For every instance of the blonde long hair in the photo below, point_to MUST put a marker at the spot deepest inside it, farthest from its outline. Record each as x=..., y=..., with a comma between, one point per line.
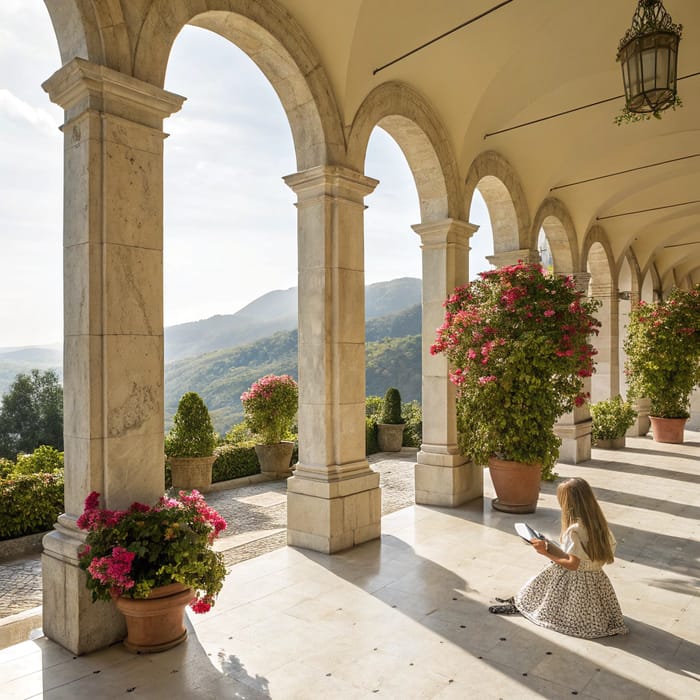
x=579, y=505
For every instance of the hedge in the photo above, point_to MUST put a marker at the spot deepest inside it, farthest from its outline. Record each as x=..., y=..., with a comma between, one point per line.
x=30, y=503
x=233, y=462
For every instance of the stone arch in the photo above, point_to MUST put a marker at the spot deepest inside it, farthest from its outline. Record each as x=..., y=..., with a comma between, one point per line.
x=554, y=218
x=598, y=258
x=411, y=122
x=77, y=28
x=505, y=199
x=276, y=43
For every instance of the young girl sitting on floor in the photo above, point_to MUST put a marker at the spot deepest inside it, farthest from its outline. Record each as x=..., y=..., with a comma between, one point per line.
x=573, y=595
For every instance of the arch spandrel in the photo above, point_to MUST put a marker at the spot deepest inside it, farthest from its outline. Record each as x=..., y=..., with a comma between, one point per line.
x=76, y=27
x=406, y=116
x=554, y=218
x=502, y=191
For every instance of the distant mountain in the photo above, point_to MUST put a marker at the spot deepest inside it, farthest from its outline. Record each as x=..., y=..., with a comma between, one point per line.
x=221, y=377
x=273, y=312
x=14, y=361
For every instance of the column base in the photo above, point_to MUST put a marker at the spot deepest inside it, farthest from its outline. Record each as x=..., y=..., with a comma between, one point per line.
x=335, y=508
x=642, y=424
x=70, y=618
x=445, y=478
x=575, y=441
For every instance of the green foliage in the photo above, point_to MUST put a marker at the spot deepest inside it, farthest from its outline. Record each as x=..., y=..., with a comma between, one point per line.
x=192, y=434
x=611, y=418
x=240, y=435
x=628, y=117
x=30, y=503
x=373, y=406
x=31, y=413
x=128, y=553
x=234, y=461
x=45, y=459
x=371, y=441
x=394, y=362
x=517, y=339
x=413, y=432
x=391, y=407
x=398, y=325
x=663, y=352
x=270, y=406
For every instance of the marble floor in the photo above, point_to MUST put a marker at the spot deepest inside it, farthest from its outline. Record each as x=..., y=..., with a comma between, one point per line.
x=406, y=617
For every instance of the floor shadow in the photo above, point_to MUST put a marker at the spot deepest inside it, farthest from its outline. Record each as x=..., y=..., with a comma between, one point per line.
x=682, y=510
x=439, y=600
x=645, y=470
x=185, y=671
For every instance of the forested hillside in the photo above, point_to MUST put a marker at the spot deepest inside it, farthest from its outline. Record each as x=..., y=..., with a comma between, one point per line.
x=276, y=311
x=221, y=377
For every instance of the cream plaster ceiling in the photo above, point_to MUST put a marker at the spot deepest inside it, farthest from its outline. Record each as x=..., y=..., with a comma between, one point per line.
x=527, y=60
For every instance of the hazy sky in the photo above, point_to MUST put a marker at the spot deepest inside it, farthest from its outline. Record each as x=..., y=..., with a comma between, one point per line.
x=230, y=223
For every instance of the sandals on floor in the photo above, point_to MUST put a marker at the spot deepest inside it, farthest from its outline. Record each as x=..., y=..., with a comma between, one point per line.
x=509, y=601
x=508, y=609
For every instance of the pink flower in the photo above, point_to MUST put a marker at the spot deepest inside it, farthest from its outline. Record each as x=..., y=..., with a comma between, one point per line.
x=549, y=313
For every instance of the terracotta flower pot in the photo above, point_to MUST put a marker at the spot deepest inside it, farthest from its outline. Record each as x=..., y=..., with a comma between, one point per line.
x=156, y=623
x=517, y=485
x=668, y=429
x=276, y=458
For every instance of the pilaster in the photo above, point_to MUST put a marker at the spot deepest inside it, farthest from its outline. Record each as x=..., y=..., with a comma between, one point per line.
x=443, y=476
x=113, y=322
x=334, y=500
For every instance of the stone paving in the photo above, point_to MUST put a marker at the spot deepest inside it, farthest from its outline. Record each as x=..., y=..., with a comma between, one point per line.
x=257, y=517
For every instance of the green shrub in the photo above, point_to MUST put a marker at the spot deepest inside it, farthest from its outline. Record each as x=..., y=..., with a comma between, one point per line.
x=391, y=407
x=413, y=432
x=233, y=462
x=192, y=434
x=241, y=435
x=7, y=467
x=611, y=418
x=30, y=503
x=373, y=406
x=371, y=444
x=44, y=460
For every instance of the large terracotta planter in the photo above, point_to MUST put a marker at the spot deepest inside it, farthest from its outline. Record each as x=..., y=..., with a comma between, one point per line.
x=668, y=429
x=192, y=472
x=517, y=485
x=156, y=623
x=275, y=459
x=390, y=436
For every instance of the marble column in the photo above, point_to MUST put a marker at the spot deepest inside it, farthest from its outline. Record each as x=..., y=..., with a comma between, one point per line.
x=443, y=475
x=113, y=323
x=333, y=498
x=574, y=428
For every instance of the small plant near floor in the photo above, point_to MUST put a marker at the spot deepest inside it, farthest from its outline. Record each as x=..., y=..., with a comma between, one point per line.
x=192, y=434
x=391, y=407
x=611, y=418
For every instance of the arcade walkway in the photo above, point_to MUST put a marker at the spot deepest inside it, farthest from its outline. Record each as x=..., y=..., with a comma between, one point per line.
x=407, y=617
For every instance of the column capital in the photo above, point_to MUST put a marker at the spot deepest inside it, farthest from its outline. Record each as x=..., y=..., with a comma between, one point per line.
x=581, y=280
x=330, y=181
x=81, y=85
x=440, y=233
x=513, y=257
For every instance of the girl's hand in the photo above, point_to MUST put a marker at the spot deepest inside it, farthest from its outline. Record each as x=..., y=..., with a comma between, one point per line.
x=540, y=546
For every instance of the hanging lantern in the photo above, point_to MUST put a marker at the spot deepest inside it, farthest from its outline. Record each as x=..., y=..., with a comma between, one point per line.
x=648, y=53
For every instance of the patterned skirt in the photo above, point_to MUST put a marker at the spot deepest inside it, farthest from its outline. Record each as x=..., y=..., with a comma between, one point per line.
x=579, y=603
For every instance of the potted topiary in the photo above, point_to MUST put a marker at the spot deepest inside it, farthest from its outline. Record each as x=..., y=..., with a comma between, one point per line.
x=270, y=406
x=518, y=342
x=189, y=446
x=611, y=420
x=390, y=425
x=152, y=561
x=663, y=359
